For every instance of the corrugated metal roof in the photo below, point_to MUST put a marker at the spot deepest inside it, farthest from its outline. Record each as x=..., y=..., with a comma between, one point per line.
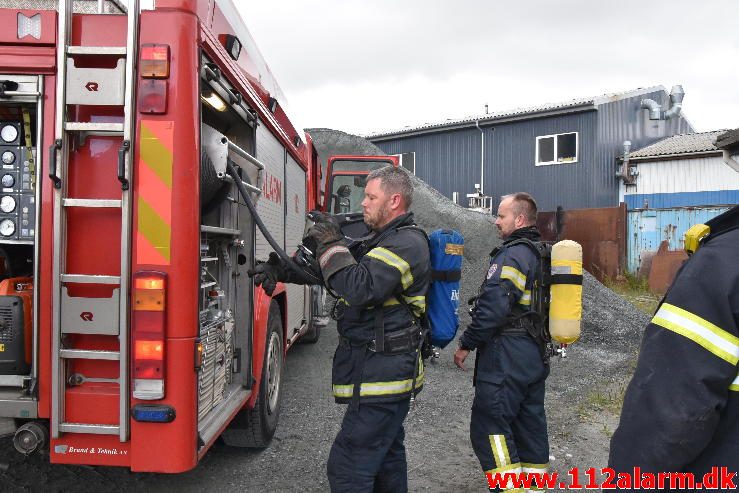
x=728, y=139
x=680, y=144
x=539, y=110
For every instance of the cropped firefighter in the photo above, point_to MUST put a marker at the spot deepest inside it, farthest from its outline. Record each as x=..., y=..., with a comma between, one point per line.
x=508, y=426
x=377, y=366
x=681, y=409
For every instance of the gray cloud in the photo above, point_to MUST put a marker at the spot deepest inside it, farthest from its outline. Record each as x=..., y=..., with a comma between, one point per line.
x=512, y=53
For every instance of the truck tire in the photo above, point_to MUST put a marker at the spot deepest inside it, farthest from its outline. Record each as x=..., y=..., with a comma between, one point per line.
x=254, y=428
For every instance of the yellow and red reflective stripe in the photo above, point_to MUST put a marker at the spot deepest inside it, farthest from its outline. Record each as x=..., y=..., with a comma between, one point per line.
x=154, y=180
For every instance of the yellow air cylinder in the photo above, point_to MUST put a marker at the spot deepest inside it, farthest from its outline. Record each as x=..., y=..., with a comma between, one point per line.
x=565, y=305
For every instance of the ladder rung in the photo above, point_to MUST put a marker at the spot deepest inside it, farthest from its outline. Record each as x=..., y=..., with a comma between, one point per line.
x=88, y=428
x=83, y=279
x=112, y=128
x=96, y=50
x=220, y=231
x=91, y=203
x=89, y=354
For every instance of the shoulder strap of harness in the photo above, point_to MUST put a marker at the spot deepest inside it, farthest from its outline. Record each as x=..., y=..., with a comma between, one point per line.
x=379, y=322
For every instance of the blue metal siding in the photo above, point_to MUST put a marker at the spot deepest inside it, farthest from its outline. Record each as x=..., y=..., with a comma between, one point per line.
x=681, y=199
x=647, y=228
x=450, y=160
x=625, y=120
x=510, y=155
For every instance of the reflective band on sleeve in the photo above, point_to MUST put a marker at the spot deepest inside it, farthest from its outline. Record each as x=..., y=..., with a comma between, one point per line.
x=330, y=253
x=525, y=298
x=515, y=276
x=391, y=259
x=716, y=340
x=735, y=384
x=417, y=304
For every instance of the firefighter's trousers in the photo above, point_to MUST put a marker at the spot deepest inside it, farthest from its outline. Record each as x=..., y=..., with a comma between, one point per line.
x=508, y=428
x=368, y=454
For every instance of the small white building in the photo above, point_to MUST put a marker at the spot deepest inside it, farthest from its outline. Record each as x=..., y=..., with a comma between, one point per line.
x=674, y=183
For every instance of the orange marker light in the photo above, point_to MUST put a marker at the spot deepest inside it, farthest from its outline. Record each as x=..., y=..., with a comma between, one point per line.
x=154, y=63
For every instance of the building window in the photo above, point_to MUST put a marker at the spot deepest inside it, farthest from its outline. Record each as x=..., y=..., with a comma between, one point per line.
x=556, y=149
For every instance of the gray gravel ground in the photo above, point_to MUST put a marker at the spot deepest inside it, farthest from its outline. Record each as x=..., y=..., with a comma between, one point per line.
x=583, y=394
x=439, y=454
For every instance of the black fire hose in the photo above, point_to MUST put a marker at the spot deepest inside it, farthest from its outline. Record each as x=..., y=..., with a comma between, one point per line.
x=308, y=277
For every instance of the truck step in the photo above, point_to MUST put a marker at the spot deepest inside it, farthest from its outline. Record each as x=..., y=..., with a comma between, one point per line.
x=96, y=50
x=88, y=428
x=106, y=128
x=100, y=203
x=85, y=279
x=89, y=354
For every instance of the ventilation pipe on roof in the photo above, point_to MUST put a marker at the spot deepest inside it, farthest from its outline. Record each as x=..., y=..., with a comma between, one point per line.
x=676, y=104
x=625, y=173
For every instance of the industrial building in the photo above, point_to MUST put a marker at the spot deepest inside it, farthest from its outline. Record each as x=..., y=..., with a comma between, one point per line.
x=565, y=154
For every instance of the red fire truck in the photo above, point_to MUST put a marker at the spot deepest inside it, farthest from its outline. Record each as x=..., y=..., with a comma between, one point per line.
x=130, y=332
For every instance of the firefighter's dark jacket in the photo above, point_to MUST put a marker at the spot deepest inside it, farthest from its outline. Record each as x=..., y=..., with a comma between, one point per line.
x=681, y=409
x=393, y=264
x=505, y=293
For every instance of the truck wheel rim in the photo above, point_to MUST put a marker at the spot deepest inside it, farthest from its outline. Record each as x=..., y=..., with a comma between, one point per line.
x=274, y=367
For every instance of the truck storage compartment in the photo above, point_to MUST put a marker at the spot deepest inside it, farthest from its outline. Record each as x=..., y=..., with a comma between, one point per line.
x=18, y=195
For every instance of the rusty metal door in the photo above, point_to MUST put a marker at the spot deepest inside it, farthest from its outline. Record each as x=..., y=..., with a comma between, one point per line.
x=600, y=231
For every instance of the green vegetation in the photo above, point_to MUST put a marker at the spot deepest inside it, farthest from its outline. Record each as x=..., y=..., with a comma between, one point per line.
x=599, y=401
x=602, y=407
x=635, y=290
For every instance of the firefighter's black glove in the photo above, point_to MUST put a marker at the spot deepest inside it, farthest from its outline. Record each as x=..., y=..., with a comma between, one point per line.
x=268, y=274
x=324, y=234
x=330, y=246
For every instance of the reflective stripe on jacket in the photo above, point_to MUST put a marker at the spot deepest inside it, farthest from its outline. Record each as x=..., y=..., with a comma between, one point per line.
x=681, y=409
x=395, y=265
x=505, y=292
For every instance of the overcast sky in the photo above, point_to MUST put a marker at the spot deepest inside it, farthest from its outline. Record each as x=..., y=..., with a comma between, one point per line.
x=365, y=66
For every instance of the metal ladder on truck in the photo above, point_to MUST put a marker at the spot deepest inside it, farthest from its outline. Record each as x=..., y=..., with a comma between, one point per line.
x=114, y=87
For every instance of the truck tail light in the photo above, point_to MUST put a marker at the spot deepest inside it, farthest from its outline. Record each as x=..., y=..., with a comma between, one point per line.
x=149, y=322
x=153, y=67
x=154, y=62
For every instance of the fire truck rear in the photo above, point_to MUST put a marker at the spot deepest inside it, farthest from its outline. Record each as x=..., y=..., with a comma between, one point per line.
x=130, y=332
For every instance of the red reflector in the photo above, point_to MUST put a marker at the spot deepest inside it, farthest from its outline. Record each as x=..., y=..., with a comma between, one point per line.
x=154, y=62
x=152, y=97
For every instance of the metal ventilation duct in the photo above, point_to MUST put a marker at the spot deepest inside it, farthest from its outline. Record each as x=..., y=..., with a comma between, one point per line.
x=676, y=104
